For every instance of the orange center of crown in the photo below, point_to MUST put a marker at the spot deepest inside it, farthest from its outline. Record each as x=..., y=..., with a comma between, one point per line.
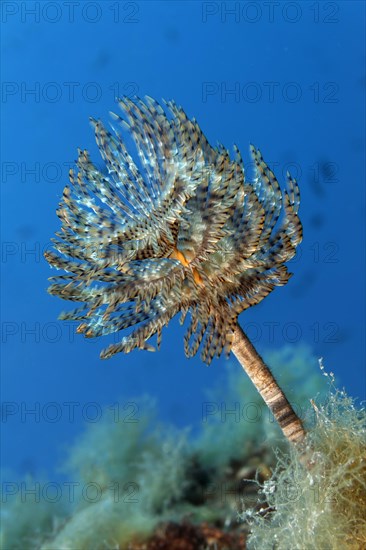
x=178, y=255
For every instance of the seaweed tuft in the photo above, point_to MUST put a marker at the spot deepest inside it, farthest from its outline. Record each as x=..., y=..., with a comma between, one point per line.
x=320, y=503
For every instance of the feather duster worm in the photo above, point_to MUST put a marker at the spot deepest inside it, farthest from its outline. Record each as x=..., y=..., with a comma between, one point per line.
x=178, y=230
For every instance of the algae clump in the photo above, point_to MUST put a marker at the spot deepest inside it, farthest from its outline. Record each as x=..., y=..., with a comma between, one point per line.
x=318, y=501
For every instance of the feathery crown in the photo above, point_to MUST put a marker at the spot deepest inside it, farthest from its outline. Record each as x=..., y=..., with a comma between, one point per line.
x=179, y=230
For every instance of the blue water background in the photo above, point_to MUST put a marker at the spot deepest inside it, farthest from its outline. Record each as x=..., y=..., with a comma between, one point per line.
x=297, y=73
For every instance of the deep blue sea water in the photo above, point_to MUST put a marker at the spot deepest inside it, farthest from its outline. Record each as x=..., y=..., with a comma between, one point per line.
x=286, y=76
